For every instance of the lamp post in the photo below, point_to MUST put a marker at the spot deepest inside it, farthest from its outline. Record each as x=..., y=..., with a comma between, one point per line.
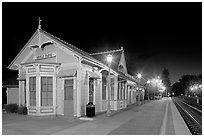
x=148, y=82
x=109, y=59
x=139, y=76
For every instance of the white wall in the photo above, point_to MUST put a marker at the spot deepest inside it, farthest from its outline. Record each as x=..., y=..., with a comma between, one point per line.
x=60, y=96
x=12, y=95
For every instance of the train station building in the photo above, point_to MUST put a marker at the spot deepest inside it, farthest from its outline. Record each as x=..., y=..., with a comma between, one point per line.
x=57, y=78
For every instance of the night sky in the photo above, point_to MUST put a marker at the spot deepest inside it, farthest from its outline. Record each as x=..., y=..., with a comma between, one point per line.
x=153, y=35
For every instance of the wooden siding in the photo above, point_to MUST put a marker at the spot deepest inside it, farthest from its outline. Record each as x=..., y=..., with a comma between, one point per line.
x=65, y=57
x=84, y=92
x=13, y=96
x=60, y=96
x=98, y=95
x=47, y=49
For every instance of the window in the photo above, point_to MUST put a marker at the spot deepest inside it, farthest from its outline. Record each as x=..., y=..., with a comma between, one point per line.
x=124, y=90
x=112, y=88
x=25, y=91
x=32, y=89
x=104, y=82
x=91, y=89
x=46, y=91
x=119, y=90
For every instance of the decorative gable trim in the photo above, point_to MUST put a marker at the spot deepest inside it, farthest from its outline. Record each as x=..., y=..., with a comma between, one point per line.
x=122, y=63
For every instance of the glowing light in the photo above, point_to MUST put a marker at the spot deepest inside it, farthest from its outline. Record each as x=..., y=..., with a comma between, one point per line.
x=139, y=75
x=200, y=86
x=109, y=58
x=196, y=87
x=148, y=81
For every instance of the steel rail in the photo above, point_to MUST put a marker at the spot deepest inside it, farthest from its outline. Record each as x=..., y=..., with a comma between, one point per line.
x=191, y=106
x=194, y=126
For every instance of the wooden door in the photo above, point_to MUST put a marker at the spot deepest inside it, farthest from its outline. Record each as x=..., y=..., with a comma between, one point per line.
x=68, y=97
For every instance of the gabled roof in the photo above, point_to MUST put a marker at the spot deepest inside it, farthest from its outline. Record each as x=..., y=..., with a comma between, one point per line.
x=117, y=62
x=97, y=58
x=72, y=47
x=65, y=44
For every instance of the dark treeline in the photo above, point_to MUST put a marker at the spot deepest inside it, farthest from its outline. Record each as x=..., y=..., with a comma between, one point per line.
x=189, y=85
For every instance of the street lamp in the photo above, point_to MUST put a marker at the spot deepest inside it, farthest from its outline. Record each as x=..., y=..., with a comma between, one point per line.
x=200, y=86
x=148, y=82
x=109, y=60
x=139, y=76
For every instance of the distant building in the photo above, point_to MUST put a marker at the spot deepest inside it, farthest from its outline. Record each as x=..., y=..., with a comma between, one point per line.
x=56, y=77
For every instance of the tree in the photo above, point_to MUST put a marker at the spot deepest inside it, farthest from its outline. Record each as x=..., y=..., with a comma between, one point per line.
x=166, y=81
x=186, y=82
x=177, y=89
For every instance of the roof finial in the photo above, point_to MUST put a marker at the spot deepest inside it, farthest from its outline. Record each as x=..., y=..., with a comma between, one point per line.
x=39, y=25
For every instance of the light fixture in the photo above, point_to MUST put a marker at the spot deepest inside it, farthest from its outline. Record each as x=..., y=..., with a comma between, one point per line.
x=109, y=58
x=139, y=75
x=148, y=81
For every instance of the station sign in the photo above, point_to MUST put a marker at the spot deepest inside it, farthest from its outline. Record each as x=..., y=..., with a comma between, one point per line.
x=44, y=56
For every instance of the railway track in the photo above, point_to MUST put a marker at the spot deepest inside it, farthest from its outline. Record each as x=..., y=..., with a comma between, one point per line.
x=191, y=115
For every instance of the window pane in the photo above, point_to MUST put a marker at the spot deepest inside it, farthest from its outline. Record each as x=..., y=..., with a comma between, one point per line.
x=121, y=89
x=44, y=95
x=43, y=80
x=32, y=95
x=91, y=85
x=124, y=92
x=44, y=102
x=49, y=87
x=91, y=98
x=31, y=80
x=31, y=87
x=49, y=102
x=69, y=82
x=46, y=89
x=112, y=80
x=49, y=80
x=32, y=102
x=34, y=87
x=49, y=95
x=103, y=88
x=34, y=80
x=112, y=92
x=91, y=89
x=43, y=88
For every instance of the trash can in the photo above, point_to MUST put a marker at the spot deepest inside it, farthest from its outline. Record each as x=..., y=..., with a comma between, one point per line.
x=90, y=110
